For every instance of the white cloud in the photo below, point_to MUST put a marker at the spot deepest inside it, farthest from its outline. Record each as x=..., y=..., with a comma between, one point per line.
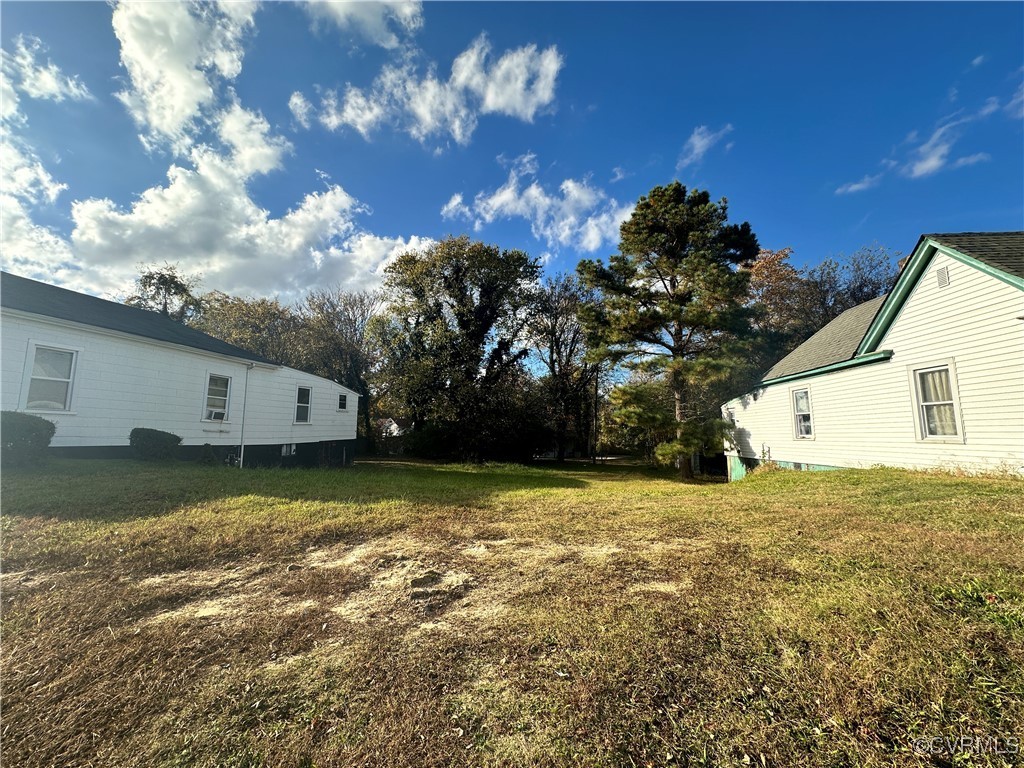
x=578, y=216
x=376, y=21
x=23, y=176
x=175, y=55
x=618, y=174
x=254, y=150
x=701, y=140
x=977, y=61
x=300, y=108
x=519, y=84
x=357, y=111
x=867, y=182
x=935, y=154
x=359, y=261
x=455, y=208
x=980, y=157
x=932, y=156
x=204, y=219
x=40, y=81
x=990, y=106
x=1015, y=107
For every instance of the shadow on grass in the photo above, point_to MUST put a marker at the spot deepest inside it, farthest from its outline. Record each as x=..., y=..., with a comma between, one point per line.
x=117, y=490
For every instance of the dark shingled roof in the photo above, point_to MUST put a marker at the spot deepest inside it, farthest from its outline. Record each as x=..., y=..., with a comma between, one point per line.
x=836, y=342
x=1002, y=250
x=41, y=299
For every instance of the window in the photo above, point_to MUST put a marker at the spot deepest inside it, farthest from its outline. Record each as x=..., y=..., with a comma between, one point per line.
x=302, y=401
x=288, y=449
x=217, y=391
x=342, y=402
x=49, y=387
x=936, y=402
x=802, y=426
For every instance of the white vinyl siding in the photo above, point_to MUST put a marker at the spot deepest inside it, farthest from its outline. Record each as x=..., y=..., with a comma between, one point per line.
x=870, y=415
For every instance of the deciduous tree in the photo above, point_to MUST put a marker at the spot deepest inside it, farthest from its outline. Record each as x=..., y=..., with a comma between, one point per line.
x=455, y=336
x=560, y=342
x=167, y=291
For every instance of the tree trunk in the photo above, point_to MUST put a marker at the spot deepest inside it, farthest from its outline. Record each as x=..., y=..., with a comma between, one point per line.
x=685, y=470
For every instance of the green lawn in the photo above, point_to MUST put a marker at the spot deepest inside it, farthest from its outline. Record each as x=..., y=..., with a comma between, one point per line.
x=399, y=614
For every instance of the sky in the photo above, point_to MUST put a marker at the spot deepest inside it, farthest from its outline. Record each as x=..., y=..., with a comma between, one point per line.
x=277, y=147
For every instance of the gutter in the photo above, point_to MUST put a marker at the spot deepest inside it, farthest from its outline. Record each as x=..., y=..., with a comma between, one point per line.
x=245, y=399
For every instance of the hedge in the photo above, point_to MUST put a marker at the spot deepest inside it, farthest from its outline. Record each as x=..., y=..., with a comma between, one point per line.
x=24, y=438
x=153, y=444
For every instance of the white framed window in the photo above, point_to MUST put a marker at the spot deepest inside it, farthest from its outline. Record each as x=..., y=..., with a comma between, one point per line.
x=303, y=404
x=51, y=376
x=288, y=449
x=803, y=424
x=342, y=402
x=937, y=403
x=218, y=394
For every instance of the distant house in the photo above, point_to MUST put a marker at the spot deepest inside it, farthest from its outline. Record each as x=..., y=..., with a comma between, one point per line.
x=930, y=376
x=98, y=369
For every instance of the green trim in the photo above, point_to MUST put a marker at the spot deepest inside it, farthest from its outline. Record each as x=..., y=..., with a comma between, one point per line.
x=981, y=266
x=907, y=281
x=873, y=357
x=897, y=297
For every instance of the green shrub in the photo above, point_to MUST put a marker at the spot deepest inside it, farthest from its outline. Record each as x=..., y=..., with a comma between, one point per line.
x=153, y=445
x=25, y=438
x=207, y=457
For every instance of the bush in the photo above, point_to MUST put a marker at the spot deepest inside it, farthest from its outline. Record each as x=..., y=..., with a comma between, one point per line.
x=207, y=457
x=25, y=438
x=153, y=445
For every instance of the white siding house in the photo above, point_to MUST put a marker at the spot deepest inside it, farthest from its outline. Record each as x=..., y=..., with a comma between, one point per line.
x=929, y=377
x=98, y=369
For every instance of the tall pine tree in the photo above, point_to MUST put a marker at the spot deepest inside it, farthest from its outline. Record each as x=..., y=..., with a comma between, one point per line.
x=674, y=297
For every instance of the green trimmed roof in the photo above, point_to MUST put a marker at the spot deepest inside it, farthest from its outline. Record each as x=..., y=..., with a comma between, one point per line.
x=26, y=295
x=1001, y=250
x=836, y=342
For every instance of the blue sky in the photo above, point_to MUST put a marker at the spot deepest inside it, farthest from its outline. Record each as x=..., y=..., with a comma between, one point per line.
x=276, y=147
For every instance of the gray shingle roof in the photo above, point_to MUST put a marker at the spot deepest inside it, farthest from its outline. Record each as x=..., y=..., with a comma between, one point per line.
x=26, y=295
x=836, y=342
x=1002, y=250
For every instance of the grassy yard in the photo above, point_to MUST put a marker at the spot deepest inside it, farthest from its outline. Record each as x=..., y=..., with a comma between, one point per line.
x=416, y=615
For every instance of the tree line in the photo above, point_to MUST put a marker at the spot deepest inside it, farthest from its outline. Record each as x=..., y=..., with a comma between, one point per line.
x=488, y=361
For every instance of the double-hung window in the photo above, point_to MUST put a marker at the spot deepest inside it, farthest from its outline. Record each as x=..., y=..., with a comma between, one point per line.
x=218, y=390
x=342, y=402
x=803, y=426
x=49, y=387
x=303, y=400
x=936, y=403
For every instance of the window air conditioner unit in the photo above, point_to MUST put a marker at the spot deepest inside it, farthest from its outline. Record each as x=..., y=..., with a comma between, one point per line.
x=216, y=415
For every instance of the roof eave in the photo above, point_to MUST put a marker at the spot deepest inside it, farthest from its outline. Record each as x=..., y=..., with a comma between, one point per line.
x=907, y=281
x=853, y=362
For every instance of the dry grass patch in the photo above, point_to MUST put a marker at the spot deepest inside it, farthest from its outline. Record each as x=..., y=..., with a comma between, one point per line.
x=418, y=615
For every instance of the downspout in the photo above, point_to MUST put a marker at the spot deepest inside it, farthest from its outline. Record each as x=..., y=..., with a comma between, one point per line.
x=245, y=398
